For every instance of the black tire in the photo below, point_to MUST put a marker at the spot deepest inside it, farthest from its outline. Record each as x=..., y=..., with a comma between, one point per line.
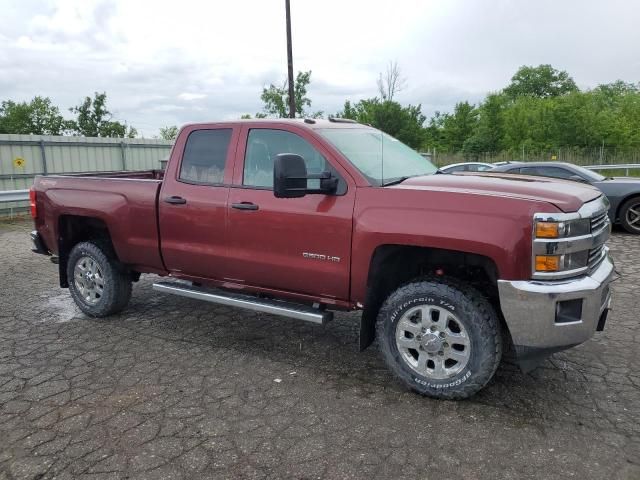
x=626, y=211
x=471, y=309
x=117, y=281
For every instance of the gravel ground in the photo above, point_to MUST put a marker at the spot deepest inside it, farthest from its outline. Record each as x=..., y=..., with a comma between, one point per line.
x=175, y=388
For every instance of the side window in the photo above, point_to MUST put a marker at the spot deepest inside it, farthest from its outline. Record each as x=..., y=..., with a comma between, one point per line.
x=264, y=144
x=204, y=156
x=553, y=172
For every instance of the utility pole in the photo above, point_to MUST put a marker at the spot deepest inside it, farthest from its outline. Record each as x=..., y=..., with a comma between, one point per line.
x=292, y=100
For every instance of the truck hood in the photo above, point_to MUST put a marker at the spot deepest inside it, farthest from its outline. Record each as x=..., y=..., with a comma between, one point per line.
x=566, y=195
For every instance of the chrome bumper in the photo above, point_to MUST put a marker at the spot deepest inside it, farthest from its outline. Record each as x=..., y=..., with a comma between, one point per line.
x=530, y=309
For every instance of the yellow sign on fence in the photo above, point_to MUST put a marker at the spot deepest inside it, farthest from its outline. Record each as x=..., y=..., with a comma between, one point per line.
x=19, y=162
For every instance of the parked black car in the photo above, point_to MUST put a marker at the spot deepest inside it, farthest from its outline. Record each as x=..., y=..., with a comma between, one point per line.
x=623, y=192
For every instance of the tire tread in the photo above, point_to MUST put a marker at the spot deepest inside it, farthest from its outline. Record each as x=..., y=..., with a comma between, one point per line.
x=114, y=272
x=462, y=293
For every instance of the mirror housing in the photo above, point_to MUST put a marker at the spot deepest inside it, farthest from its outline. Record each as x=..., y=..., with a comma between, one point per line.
x=290, y=177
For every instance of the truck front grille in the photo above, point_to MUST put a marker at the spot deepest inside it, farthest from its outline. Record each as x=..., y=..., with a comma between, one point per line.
x=596, y=255
x=598, y=221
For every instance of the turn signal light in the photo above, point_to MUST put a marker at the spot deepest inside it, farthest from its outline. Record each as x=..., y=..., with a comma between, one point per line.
x=32, y=203
x=547, y=263
x=547, y=230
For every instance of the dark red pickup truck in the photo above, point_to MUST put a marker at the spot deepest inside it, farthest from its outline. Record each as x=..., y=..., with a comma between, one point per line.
x=303, y=217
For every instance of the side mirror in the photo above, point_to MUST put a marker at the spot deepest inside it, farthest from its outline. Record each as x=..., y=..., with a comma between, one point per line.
x=290, y=178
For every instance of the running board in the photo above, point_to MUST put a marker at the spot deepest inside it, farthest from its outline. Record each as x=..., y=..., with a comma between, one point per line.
x=248, y=302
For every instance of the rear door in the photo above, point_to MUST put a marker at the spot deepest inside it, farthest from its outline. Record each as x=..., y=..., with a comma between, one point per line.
x=295, y=244
x=193, y=201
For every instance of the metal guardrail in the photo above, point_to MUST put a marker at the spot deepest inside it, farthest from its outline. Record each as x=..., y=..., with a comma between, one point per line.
x=14, y=196
x=622, y=166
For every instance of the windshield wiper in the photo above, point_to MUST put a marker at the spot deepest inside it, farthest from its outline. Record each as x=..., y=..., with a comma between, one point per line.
x=397, y=180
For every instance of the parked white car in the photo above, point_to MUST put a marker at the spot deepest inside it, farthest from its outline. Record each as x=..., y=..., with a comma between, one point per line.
x=467, y=167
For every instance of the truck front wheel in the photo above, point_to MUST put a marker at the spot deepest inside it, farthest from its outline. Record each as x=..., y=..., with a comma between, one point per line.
x=97, y=282
x=440, y=337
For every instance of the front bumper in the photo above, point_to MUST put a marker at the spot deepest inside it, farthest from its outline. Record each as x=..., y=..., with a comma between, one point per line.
x=533, y=312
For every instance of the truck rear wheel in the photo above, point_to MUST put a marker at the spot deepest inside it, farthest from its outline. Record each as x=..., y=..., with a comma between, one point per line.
x=440, y=337
x=97, y=282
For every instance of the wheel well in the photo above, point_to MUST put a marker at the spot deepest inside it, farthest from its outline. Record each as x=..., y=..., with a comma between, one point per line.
x=73, y=229
x=394, y=265
x=622, y=202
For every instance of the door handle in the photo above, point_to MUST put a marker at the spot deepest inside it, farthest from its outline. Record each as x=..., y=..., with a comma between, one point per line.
x=175, y=200
x=245, y=206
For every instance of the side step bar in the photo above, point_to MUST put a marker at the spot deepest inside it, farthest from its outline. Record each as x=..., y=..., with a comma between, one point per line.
x=274, y=307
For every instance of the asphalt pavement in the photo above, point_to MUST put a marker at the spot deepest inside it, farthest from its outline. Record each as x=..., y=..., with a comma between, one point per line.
x=176, y=388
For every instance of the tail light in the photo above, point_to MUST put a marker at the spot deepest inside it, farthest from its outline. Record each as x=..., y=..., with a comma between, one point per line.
x=32, y=203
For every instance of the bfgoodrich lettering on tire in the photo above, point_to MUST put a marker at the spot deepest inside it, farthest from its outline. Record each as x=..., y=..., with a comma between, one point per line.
x=440, y=337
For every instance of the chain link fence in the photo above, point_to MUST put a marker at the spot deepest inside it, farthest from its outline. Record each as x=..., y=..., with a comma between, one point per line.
x=577, y=156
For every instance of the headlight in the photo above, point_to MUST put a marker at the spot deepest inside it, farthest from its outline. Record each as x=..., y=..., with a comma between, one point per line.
x=569, y=228
x=561, y=263
x=569, y=244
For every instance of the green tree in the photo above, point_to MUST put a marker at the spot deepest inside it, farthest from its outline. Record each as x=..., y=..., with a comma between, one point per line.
x=38, y=117
x=169, y=133
x=276, y=99
x=403, y=123
x=94, y=120
x=487, y=134
x=247, y=116
x=459, y=126
x=617, y=88
x=541, y=81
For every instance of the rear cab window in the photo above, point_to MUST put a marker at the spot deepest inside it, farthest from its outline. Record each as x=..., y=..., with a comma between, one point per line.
x=205, y=155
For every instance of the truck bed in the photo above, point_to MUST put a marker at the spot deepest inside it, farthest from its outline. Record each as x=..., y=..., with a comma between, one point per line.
x=125, y=203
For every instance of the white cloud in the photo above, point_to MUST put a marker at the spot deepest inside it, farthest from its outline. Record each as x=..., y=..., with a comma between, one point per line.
x=164, y=63
x=191, y=96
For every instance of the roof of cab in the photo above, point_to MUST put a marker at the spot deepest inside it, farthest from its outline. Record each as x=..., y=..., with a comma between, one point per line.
x=311, y=123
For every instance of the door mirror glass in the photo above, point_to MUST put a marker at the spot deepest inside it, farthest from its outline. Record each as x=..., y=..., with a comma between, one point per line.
x=289, y=176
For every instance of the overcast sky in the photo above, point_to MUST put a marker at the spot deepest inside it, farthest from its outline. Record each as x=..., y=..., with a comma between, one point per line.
x=164, y=63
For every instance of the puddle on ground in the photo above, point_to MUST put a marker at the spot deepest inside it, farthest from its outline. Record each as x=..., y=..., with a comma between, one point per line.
x=62, y=308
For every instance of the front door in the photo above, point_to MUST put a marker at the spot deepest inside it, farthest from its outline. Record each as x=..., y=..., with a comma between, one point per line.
x=294, y=244
x=193, y=202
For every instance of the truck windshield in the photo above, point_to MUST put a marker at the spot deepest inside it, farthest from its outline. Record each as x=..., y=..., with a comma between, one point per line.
x=380, y=157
